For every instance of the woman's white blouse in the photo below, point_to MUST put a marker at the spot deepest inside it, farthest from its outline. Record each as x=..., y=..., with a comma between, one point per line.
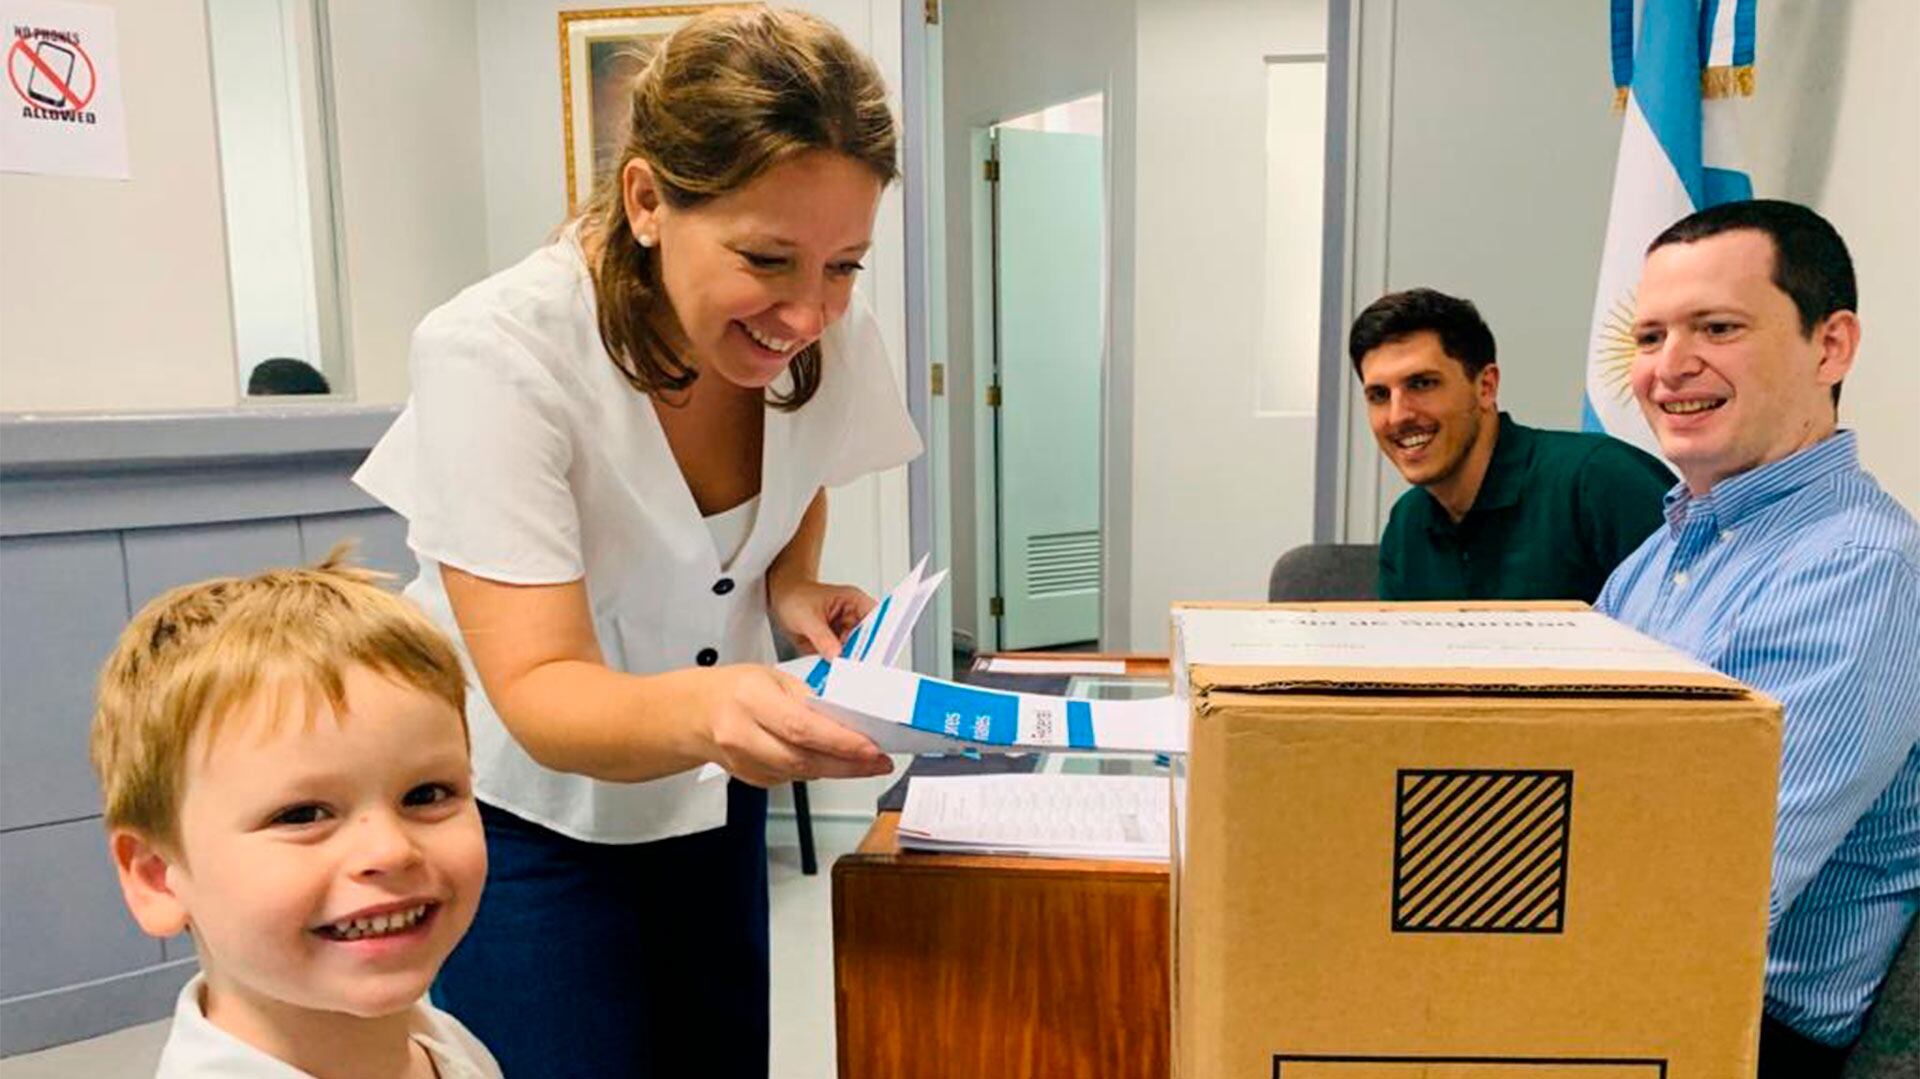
x=524, y=456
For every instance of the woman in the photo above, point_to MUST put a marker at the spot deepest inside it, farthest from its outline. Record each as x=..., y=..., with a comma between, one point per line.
x=612, y=466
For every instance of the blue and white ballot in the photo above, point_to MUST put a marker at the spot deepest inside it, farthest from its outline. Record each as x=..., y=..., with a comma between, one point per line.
x=904, y=712
x=866, y=688
x=882, y=637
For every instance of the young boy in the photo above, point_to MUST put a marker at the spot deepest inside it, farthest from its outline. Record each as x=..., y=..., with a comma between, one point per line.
x=284, y=759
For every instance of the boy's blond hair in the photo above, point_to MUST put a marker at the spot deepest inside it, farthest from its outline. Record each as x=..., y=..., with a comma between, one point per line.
x=193, y=655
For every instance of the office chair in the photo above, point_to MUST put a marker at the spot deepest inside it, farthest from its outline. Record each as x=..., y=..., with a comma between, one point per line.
x=1889, y=1045
x=1324, y=571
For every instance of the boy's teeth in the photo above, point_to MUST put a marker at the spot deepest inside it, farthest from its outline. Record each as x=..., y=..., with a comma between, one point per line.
x=1683, y=407
x=358, y=928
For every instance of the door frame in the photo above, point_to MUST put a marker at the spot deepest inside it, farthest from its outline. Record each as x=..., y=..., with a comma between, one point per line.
x=986, y=371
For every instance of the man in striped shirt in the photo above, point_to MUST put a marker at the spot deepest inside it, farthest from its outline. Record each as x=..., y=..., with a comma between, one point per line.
x=1783, y=564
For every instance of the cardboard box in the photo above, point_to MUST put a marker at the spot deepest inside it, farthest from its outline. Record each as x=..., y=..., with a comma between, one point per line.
x=1489, y=841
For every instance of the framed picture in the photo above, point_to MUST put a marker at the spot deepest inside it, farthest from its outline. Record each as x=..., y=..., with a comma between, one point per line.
x=601, y=51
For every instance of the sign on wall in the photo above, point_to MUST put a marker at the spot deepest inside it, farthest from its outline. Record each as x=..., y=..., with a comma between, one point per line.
x=62, y=113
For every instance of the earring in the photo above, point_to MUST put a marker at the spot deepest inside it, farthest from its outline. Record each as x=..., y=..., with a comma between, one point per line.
x=645, y=239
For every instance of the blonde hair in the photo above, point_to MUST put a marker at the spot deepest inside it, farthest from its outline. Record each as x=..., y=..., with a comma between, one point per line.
x=730, y=94
x=190, y=657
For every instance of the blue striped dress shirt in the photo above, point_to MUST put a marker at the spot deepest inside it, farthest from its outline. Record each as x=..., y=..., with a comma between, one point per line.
x=1801, y=578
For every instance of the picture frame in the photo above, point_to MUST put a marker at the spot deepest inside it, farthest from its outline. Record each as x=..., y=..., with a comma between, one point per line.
x=601, y=50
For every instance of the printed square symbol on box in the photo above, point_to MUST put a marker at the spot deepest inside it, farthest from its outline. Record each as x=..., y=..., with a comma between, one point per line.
x=1358, y=1066
x=1481, y=850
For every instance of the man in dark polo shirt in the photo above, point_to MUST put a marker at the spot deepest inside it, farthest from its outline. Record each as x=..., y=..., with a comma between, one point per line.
x=1498, y=510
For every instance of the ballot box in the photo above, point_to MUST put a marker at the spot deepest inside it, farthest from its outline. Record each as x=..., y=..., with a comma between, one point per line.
x=1464, y=842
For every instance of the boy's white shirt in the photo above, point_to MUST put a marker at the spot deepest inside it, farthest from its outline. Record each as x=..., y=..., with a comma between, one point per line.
x=196, y=1048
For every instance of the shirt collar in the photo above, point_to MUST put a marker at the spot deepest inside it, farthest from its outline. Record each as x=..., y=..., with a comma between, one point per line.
x=197, y=1048
x=1739, y=497
x=1500, y=486
x=1512, y=453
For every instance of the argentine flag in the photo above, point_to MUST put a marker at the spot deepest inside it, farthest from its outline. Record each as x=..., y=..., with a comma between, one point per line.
x=1681, y=72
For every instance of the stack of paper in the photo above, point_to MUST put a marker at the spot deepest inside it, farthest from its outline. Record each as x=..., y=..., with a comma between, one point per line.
x=1056, y=816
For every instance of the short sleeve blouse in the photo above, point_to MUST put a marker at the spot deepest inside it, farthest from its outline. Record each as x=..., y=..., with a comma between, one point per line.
x=524, y=456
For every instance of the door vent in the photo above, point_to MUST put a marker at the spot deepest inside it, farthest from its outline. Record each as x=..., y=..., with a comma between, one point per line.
x=1063, y=563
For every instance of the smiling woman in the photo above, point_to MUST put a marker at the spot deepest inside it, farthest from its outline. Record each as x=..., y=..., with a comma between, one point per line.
x=613, y=468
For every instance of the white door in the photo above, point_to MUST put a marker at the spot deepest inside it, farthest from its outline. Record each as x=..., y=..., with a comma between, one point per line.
x=1049, y=335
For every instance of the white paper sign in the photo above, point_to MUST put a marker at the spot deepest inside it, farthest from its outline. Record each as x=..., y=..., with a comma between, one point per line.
x=62, y=114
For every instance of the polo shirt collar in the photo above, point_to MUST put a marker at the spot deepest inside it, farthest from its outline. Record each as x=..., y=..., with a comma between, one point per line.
x=1500, y=487
x=1740, y=497
x=1506, y=470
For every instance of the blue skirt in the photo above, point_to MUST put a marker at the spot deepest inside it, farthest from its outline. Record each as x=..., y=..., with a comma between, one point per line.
x=602, y=959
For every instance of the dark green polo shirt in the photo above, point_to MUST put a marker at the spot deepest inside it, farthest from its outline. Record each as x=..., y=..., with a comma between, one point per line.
x=1555, y=513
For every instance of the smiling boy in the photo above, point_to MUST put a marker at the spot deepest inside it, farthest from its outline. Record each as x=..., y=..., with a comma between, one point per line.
x=286, y=774
x=1499, y=510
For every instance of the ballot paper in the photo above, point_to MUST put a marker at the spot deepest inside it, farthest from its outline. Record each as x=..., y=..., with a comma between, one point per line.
x=904, y=712
x=865, y=688
x=1058, y=816
x=883, y=635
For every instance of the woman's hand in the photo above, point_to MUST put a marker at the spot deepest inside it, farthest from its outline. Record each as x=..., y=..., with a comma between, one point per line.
x=760, y=729
x=816, y=616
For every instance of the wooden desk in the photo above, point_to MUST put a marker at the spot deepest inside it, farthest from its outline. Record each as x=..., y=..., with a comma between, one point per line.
x=951, y=965
x=969, y=966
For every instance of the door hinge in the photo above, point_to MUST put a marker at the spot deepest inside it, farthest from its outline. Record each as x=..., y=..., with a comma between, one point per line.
x=993, y=395
x=997, y=607
x=937, y=380
x=932, y=8
x=992, y=170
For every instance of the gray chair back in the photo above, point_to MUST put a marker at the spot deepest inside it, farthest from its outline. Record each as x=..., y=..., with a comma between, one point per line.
x=1325, y=571
x=1889, y=1045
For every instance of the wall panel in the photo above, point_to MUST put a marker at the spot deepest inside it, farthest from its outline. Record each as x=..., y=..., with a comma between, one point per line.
x=66, y=599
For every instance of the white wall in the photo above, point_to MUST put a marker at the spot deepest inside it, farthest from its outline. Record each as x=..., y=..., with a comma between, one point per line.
x=114, y=294
x=263, y=174
x=124, y=304
x=411, y=194
x=1218, y=488
x=1503, y=148
x=1837, y=125
x=1489, y=169
x=1001, y=59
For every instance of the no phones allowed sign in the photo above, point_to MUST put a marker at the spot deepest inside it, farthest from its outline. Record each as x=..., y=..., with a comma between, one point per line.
x=61, y=112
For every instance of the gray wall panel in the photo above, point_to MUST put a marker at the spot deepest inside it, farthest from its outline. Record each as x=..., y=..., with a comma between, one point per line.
x=258, y=431
x=109, y=498
x=64, y=921
x=66, y=599
x=160, y=558
x=91, y=1009
x=382, y=536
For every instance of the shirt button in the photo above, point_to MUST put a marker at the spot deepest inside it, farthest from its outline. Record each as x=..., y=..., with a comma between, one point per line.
x=707, y=657
x=1680, y=578
x=722, y=586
